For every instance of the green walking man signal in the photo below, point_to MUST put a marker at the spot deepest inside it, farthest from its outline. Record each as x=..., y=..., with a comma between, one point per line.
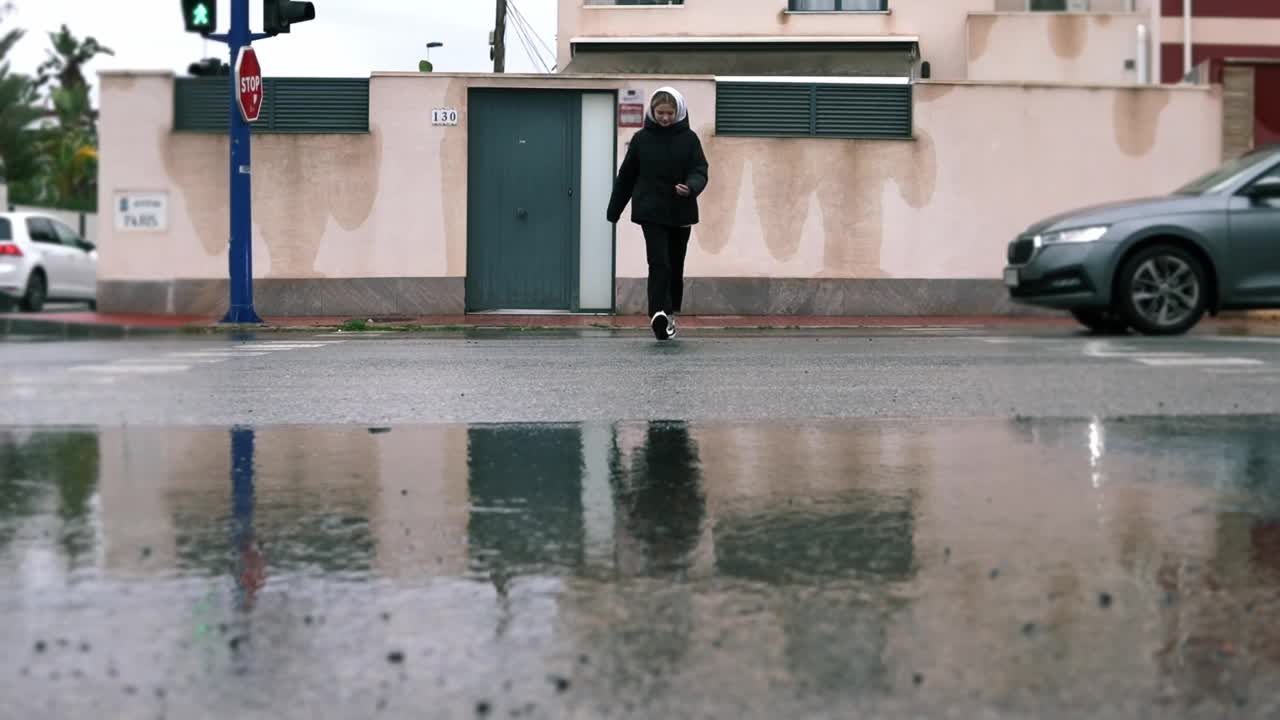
x=200, y=16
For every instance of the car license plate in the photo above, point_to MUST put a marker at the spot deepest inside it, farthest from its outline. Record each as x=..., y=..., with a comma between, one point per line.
x=1011, y=277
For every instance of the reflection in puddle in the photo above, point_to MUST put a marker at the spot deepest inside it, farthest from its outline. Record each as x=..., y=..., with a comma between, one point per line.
x=660, y=568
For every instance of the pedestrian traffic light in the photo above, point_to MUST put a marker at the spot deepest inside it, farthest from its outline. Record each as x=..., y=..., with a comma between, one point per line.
x=200, y=16
x=278, y=15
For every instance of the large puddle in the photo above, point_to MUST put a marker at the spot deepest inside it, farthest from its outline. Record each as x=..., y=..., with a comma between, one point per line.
x=973, y=568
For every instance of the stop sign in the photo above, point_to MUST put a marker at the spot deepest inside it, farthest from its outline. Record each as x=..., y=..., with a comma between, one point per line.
x=249, y=91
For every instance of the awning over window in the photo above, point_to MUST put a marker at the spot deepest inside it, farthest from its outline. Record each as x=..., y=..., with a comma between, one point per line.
x=876, y=56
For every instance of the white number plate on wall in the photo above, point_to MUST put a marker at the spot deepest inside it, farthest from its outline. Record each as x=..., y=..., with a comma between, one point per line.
x=444, y=116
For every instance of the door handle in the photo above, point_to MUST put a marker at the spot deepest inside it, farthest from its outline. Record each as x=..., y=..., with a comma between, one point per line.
x=522, y=213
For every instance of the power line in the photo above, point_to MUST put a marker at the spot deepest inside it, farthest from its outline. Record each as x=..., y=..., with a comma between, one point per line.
x=530, y=48
x=550, y=53
x=529, y=26
x=526, y=42
x=529, y=34
x=534, y=59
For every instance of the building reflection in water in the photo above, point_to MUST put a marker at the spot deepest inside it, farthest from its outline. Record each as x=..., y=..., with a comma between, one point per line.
x=528, y=514
x=827, y=562
x=525, y=486
x=665, y=550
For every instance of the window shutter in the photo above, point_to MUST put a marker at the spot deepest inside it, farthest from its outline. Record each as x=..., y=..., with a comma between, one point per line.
x=764, y=109
x=200, y=104
x=292, y=105
x=319, y=105
x=864, y=111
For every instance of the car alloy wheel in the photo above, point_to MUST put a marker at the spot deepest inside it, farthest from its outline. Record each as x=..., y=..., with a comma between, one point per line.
x=1163, y=291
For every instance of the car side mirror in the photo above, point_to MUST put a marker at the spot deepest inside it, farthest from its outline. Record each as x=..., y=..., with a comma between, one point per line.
x=1268, y=188
x=87, y=246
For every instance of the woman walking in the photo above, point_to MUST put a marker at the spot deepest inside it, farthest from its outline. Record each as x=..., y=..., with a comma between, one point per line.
x=663, y=174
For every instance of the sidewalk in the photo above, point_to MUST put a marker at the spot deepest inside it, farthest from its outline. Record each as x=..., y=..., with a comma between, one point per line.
x=105, y=325
x=90, y=324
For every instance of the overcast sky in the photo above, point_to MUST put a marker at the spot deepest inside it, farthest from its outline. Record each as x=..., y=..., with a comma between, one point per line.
x=348, y=38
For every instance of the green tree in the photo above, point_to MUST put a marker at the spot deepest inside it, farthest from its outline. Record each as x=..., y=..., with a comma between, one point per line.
x=19, y=109
x=66, y=157
x=65, y=64
x=67, y=58
x=68, y=169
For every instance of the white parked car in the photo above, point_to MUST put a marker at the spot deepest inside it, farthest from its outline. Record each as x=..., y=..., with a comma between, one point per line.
x=42, y=259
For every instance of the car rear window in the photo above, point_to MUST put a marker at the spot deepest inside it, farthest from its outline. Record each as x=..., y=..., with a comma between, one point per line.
x=6, y=230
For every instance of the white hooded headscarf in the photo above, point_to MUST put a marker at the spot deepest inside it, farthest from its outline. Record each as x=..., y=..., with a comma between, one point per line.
x=682, y=110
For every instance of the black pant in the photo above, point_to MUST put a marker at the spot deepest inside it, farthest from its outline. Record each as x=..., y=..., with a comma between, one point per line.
x=666, y=247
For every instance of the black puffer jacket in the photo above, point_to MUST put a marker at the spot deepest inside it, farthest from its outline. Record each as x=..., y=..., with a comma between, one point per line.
x=658, y=159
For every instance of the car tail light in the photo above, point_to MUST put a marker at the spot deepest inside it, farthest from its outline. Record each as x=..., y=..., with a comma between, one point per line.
x=10, y=250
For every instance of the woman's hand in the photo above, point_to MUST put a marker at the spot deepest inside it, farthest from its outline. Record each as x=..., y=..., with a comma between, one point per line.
x=682, y=190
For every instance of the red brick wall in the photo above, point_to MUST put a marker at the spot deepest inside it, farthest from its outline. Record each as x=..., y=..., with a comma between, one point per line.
x=1267, y=129
x=1224, y=8
x=1171, y=56
x=1267, y=93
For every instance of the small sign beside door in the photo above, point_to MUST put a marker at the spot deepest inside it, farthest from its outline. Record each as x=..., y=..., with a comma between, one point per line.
x=630, y=108
x=444, y=116
x=142, y=211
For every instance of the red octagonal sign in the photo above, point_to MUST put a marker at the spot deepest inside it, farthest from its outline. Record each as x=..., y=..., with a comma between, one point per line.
x=249, y=90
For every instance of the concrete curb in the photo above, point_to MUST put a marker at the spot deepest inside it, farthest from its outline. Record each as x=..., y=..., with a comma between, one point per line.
x=81, y=328
x=71, y=329
x=77, y=331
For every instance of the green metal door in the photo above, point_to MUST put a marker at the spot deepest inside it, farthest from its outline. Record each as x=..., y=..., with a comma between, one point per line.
x=522, y=211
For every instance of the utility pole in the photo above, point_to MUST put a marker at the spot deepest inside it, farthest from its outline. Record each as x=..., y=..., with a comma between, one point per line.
x=499, y=39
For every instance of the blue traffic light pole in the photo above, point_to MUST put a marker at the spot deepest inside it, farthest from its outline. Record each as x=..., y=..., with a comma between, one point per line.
x=241, y=246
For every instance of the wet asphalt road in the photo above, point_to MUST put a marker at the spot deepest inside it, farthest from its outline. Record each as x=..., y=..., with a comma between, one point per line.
x=890, y=524
x=509, y=376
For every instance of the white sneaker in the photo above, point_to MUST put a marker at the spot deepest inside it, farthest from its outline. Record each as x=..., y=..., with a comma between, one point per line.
x=661, y=325
x=671, y=327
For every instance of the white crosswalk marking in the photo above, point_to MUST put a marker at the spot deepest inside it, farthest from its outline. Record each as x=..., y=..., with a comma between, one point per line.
x=132, y=369
x=214, y=354
x=276, y=348
x=1140, y=353
x=1198, y=361
x=1245, y=339
x=1170, y=359
x=182, y=361
x=307, y=343
x=1040, y=341
x=164, y=361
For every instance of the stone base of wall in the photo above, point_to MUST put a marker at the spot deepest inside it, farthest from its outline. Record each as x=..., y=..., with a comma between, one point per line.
x=806, y=296
x=408, y=297
x=1239, y=85
x=353, y=297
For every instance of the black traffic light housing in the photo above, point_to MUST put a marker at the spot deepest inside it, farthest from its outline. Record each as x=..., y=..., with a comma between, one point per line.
x=278, y=15
x=200, y=16
x=209, y=67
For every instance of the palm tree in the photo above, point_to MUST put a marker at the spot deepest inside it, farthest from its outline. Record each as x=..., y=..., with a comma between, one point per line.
x=68, y=170
x=67, y=166
x=68, y=57
x=18, y=110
